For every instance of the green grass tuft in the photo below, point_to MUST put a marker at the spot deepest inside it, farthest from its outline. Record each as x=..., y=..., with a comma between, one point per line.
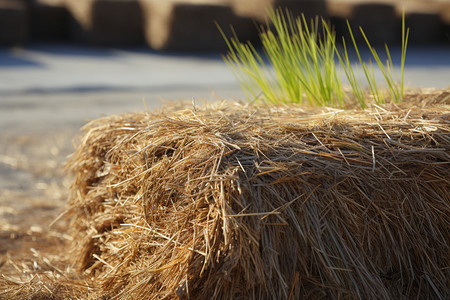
x=303, y=65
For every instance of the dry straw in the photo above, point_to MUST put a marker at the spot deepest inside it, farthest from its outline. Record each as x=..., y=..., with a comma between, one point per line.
x=270, y=202
x=233, y=201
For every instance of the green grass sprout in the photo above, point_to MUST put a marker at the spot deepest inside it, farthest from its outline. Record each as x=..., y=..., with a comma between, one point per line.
x=299, y=64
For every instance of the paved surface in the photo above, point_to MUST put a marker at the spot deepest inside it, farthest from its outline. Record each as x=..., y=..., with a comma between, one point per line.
x=74, y=69
x=62, y=68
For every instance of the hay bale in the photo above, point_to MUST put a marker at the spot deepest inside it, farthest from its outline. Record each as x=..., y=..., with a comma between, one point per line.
x=424, y=20
x=243, y=202
x=107, y=22
x=379, y=20
x=258, y=9
x=190, y=25
x=445, y=12
x=49, y=20
x=13, y=22
x=426, y=28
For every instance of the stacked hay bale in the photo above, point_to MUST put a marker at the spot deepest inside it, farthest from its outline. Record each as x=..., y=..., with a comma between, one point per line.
x=107, y=22
x=259, y=9
x=13, y=22
x=242, y=202
x=48, y=20
x=191, y=25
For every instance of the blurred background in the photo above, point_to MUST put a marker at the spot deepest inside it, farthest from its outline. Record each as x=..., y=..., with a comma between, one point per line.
x=64, y=62
x=152, y=49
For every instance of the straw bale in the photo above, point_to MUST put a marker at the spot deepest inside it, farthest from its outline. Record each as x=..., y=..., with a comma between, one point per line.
x=234, y=201
x=191, y=25
x=381, y=20
x=259, y=9
x=49, y=20
x=13, y=22
x=106, y=22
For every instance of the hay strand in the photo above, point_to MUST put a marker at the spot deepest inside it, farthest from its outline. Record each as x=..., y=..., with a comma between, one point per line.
x=232, y=201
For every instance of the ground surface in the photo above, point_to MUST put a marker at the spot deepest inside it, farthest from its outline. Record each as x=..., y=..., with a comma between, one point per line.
x=48, y=92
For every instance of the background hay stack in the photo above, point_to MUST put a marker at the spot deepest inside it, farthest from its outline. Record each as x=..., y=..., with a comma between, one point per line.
x=238, y=202
x=191, y=25
x=13, y=22
x=259, y=9
x=107, y=22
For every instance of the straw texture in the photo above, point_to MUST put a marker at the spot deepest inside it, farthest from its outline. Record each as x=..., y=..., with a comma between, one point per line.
x=234, y=201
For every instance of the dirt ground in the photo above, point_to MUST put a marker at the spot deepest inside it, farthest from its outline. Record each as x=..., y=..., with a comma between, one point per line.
x=33, y=191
